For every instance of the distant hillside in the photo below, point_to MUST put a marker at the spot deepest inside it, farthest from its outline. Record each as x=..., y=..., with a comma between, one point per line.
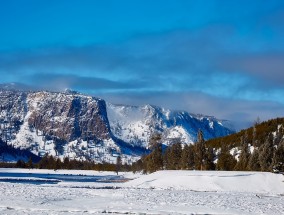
x=259, y=148
x=256, y=135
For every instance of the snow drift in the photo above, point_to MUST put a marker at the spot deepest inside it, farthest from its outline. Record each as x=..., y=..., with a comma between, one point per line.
x=212, y=181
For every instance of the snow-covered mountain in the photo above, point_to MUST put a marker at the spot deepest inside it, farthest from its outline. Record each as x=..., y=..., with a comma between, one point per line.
x=84, y=127
x=135, y=124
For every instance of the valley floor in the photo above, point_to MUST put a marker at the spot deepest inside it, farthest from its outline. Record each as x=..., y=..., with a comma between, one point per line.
x=164, y=192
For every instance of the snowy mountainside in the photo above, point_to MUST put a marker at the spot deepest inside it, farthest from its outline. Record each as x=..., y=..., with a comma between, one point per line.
x=135, y=124
x=60, y=124
x=69, y=124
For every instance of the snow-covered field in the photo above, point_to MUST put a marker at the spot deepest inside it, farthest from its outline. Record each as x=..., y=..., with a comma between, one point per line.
x=164, y=192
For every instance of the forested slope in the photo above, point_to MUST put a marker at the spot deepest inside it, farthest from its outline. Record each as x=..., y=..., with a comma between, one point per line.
x=259, y=148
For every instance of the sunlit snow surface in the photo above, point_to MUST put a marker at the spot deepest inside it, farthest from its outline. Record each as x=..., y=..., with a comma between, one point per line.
x=164, y=192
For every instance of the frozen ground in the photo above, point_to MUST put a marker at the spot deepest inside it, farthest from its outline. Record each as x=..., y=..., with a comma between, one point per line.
x=164, y=192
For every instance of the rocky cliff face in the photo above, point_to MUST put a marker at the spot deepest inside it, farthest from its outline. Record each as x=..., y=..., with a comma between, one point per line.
x=12, y=106
x=68, y=116
x=84, y=127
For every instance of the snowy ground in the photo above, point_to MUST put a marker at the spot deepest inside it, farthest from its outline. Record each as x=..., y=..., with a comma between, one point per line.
x=164, y=192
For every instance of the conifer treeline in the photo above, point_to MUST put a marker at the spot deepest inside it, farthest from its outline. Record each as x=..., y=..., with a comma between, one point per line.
x=50, y=162
x=248, y=150
x=176, y=156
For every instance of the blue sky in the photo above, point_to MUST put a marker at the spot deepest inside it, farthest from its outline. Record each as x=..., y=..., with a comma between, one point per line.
x=216, y=57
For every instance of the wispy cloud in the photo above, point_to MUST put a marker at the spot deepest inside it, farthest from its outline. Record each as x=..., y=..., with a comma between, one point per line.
x=267, y=68
x=58, y=82
x=172, y=61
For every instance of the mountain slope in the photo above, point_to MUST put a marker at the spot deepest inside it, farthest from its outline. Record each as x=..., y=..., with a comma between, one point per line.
x=255, y=135
x=84, y=127
x=259, y=148
x=135, y=124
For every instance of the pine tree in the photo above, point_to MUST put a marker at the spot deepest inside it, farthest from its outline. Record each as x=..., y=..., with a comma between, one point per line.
x=30, y=163
x=266, y=152
x=154, y=161
x=166, y=158
x=173, y=156
x=58, y=164
x=118, y=164
x=20, y=164
x=279, y=135
x=242, y=164
x=138, y=165
x=225, y=160
x=66, y=163
x=254, y=140
x=51, y=162
x=209, y=159
x=253, y=164
x=187, y=157
x=200, y=151
x=43, y=163
x=278, y=158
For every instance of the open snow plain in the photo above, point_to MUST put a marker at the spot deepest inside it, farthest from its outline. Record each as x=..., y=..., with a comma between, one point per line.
x=164, y=192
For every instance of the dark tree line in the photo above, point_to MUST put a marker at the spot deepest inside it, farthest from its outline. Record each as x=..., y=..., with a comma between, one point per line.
x=250, y=155
x=50, y=162
x=176, y=156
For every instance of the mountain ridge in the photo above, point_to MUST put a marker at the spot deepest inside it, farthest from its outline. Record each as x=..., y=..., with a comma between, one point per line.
x=86, y=127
